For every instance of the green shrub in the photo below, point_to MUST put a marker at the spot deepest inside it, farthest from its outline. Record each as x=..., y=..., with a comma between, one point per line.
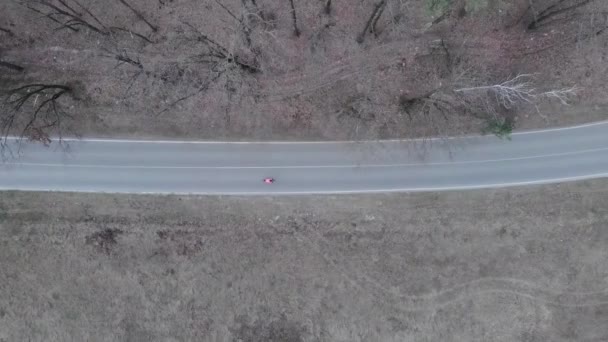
x=437, y=7
x=501, y=128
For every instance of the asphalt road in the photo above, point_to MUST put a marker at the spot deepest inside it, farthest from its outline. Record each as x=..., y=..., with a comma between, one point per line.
x=126, y=166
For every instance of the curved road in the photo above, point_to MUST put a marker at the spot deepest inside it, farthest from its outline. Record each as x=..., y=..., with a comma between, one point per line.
x=128, y=166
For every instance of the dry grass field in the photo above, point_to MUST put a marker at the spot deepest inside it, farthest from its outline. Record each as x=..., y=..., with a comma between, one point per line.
x=519, y=264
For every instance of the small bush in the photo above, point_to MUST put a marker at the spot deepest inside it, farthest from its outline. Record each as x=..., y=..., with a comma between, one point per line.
x=104, y=240
x=500, y=128
x=438, y=6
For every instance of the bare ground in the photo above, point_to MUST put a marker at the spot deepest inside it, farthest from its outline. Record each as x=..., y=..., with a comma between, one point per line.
x=519, y=264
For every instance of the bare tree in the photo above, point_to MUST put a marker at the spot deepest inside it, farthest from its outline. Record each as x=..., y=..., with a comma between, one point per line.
x=7, y=31
x=122, y=57
x=242, y=20
x=327, y=7
x=32, y=111
x=72, y=15
x=252, y=6
x=555, y=9
x=370, y=25
x=519, y=90
x=139, y=15
x=294, y=18
x=214, y=52
x=11, y=66
x=494, y=103
x=69, y=14
x=222, y=63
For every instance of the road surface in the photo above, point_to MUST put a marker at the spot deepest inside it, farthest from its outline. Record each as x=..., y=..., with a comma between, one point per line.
x=127, y=166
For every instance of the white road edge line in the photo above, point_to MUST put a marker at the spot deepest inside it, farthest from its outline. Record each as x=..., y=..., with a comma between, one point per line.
x=336, y=192
x=548, y=130
x=305, y=166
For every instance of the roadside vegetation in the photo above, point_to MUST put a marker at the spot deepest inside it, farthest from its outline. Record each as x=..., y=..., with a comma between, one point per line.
x=313, y=69
x=517, y=264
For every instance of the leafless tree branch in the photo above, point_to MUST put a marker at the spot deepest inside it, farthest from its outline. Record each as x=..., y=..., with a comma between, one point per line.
x=7, y=31
x=31, y=111
x=294, y=19
x=11, y=66
x=139, y=15
x=64, y=13
x=520, y=90
x=557, y=8
x=371, y=22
